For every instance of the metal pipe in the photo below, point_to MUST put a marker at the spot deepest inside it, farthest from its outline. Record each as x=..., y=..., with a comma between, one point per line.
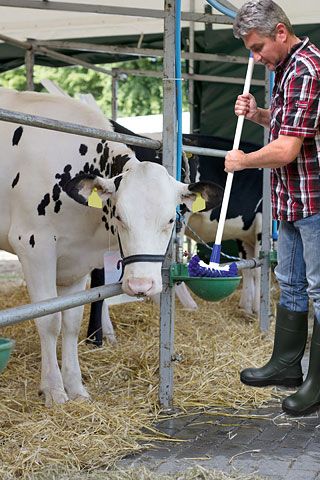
x=209, y=152
x=67, y=127
x=11, y=316
x=250, y=263
x=135, y=51
x=113, y=10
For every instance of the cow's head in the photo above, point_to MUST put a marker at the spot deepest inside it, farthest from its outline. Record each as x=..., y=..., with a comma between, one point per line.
x=145, y=199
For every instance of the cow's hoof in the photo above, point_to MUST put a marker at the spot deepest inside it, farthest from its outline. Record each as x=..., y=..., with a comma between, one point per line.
x=54, y=396
x=79, y=394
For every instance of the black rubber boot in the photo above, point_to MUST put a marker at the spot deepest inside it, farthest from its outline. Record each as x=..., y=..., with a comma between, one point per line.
x=307, y=398
x=284, y=367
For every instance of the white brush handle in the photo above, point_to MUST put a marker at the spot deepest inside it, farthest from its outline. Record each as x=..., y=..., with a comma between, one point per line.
x=236, y=143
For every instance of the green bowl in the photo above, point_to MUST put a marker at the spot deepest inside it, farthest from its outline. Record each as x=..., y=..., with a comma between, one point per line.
x=212, y=289
x=6, y=346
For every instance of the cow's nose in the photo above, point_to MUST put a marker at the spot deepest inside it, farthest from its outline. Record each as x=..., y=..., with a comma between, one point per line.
x=140, y=286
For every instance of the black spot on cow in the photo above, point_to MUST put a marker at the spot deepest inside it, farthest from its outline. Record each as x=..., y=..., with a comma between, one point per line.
x=108, y=202
x=65, y=176
x=57, y=206
x=56, y=192
x=117, y=182
x=16, y=180
x=17, y=136
x=83, y=149
x=43, y=204
x=94, y=160
x=105, y=208
x=54, y=238
x=31, y=241
x=113, y=211
x=99, y=148
x=104, y=157
x=19, y=237
x=113, y=230
x=118, y=162
x=108, y=170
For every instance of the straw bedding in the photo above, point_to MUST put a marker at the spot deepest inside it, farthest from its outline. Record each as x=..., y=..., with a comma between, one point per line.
x=215, y=342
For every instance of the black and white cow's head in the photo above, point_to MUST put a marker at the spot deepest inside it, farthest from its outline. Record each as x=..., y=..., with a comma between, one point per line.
x=145, y=197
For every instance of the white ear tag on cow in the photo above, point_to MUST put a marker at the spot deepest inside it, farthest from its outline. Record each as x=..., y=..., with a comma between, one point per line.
x=94, y=200
x=198, y=204
x=112, y=272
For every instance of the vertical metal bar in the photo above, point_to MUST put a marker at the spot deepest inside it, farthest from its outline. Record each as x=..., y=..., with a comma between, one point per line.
x=114, y=93
x=191, y=68
x=167, y=306
x=29, y=61
x=266, y=224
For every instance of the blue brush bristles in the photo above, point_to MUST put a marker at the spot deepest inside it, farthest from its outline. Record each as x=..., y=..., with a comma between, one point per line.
x=196, y=270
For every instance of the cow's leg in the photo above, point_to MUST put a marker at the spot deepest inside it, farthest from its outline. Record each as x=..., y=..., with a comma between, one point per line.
x=39, y=268
x=71, y=322
x=248, y=286
x=257, y=271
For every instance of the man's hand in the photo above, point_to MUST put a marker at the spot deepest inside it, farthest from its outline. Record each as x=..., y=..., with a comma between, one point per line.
x=246, y=105
x=234, y=161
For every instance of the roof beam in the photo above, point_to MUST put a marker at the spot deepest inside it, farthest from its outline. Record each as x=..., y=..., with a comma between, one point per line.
x=111, y=10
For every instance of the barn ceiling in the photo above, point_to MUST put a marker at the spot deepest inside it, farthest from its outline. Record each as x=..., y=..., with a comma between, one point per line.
x=23, y=23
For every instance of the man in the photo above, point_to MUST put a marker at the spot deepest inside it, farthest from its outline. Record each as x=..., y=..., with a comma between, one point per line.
x=293, y=154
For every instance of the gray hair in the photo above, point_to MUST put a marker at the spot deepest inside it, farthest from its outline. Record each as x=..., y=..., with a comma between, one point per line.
x=262, y=16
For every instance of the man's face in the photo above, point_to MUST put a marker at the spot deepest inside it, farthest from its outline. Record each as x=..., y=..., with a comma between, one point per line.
x=266, y=50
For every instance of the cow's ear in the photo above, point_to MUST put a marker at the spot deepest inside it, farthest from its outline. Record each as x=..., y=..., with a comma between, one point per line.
x=210, y=192
x=80, y=188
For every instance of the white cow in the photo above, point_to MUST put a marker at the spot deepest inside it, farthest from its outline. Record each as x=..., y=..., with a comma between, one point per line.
x=58, y=240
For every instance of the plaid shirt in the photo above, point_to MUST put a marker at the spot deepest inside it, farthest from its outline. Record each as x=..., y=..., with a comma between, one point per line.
x=295, y=111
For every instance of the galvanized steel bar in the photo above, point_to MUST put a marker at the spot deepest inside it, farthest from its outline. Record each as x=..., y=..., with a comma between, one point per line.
x=15, y=315
x=135, y=51
x=113, y=10
x=67, y=127
x=209, y=152
x=167, y=301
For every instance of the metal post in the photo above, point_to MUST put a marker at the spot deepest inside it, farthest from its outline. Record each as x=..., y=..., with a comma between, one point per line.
x=266, y=223
x=114, y=95
x=29, y=61
x=167, y=305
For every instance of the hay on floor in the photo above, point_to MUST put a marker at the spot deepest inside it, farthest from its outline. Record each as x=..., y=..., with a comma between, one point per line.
x=215, y=343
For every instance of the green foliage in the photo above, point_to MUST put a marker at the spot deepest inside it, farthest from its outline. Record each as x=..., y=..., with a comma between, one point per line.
x=136, y=95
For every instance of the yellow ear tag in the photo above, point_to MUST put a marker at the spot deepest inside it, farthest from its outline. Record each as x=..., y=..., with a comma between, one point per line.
x=198, y=204
x=94, y=200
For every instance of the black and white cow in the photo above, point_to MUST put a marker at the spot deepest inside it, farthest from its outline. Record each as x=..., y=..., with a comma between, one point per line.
x=243, y=222
x=59, y=240
x=244, y=215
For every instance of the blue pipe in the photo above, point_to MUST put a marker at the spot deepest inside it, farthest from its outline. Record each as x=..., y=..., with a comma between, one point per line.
x=221, y=8
x=226, y=11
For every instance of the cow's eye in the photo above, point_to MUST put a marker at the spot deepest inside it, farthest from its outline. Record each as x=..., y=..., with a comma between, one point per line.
x=171, y=220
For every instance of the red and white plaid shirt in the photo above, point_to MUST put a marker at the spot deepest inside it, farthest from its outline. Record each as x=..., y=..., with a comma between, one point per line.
x=295, y=111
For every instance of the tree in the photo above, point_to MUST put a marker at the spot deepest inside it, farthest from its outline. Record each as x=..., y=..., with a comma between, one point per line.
x=136, y=95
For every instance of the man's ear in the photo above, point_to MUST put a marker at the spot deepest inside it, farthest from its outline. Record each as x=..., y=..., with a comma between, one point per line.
x=81, y=187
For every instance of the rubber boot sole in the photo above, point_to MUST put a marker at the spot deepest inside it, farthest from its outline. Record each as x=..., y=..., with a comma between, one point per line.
x=306, y=411
x=287, y=382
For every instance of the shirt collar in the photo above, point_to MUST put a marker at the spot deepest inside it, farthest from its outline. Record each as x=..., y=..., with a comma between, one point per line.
x=292, y=54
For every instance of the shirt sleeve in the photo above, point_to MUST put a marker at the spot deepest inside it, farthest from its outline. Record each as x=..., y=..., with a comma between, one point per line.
x=301, y=107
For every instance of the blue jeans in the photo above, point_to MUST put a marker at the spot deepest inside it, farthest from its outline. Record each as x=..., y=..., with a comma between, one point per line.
x=298, y=269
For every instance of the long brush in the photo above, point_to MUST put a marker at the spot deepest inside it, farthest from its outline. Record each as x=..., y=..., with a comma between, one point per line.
x=196, y=267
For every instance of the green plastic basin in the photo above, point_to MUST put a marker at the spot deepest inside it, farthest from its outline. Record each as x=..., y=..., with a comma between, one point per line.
x=6, y=346
x=211, y=289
